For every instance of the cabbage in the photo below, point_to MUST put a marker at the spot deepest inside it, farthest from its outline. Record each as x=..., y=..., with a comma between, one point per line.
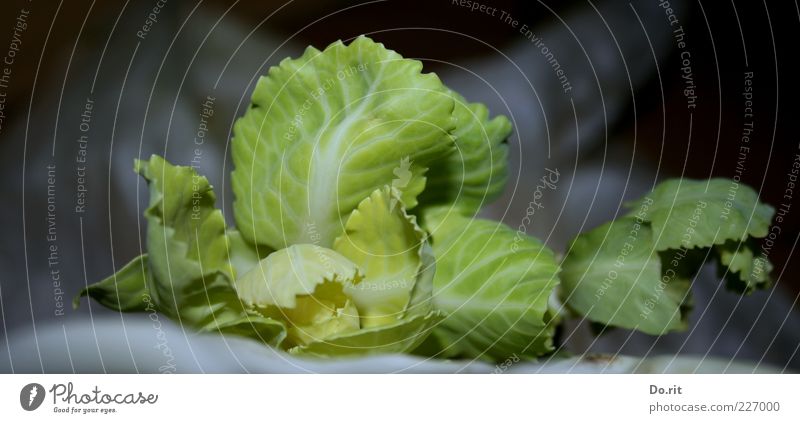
x=357, y=178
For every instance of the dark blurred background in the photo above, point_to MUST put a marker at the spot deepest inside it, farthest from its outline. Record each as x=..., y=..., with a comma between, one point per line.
x=624, y=124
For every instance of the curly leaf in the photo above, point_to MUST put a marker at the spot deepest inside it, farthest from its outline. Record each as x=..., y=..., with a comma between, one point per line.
x=303, y=287
x=493, y=284
x=746, y=272
x=324, y=131
x=185, y=233
x=476, y=173
x=401, y=336
x=701, y=213
x=387, y=245
x=244, y=256
x=294, y=271
x=125, y=290
x=612, y=275
x=409, y=181
x=189, y=255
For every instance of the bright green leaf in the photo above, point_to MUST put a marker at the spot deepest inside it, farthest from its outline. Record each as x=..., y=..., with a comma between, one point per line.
x=476, y=173
x=612, y=275
x=327, y=129
x=746, y=272
x=401, y=336
x=185, y=234
x=303, y=287
x=494, y=285
x=125, y=290
x=387, y=245
x=189, y=255
x=294, y=271
x=244, y=256
x=701, y=213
